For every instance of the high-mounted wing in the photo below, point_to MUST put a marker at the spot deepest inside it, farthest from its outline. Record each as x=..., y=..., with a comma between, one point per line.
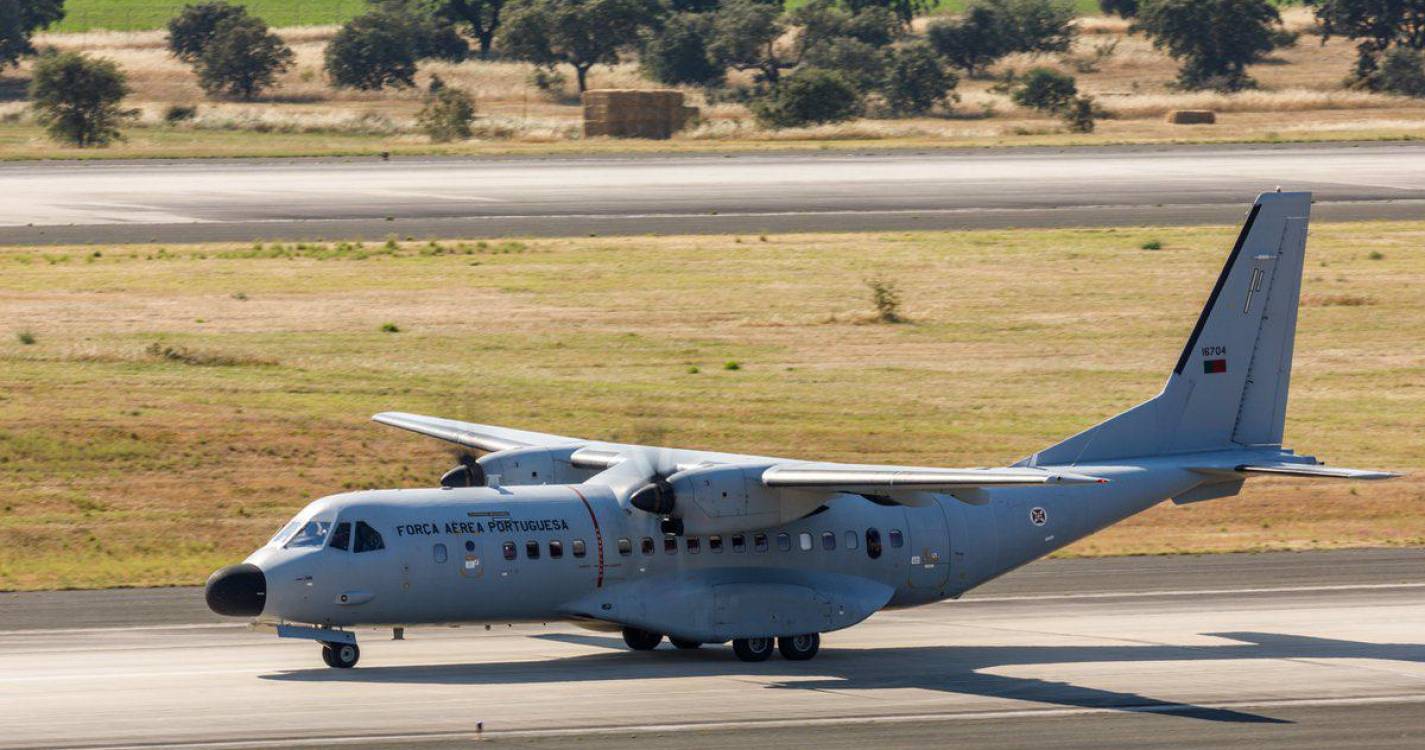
x=1315, y=471
x=480, y=437
x=844, y=478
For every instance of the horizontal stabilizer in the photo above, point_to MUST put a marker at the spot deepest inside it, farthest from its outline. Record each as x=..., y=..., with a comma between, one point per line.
x=857, y=478
x=1315, y=471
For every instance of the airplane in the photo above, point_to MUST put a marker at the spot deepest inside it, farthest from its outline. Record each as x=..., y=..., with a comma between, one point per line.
x=703, y=547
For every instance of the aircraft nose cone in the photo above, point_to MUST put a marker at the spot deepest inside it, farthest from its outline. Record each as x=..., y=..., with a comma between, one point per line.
x=237, y=591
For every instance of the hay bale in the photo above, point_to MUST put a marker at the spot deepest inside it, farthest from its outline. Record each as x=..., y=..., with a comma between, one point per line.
x=1192, y=117
x=633, y=113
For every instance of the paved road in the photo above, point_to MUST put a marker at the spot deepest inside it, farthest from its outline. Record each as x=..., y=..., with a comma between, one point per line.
x=173, y=201
x=1301, y=651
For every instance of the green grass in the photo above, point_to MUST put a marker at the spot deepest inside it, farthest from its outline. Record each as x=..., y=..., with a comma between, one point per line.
x=181, y=402
x=133, y=15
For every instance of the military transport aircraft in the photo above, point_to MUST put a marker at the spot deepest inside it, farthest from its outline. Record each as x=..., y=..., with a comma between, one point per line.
x=769, y=553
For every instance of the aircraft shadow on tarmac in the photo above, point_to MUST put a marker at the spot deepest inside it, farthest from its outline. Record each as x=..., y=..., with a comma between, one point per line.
x=954, y=669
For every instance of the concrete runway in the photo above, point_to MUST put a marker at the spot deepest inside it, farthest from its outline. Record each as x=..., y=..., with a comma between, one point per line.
x=1301, y=651
x=177, y=201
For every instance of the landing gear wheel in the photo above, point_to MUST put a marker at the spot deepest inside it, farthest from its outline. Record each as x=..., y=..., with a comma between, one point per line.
x=799, y=647
x=641, y=640
x=340, y=655
x=684, y=644
x=753, y=649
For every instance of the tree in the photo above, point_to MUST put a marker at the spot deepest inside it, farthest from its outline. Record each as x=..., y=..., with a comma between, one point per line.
x=745, y=37
x=904, y=10
x=809, y=96
x=972, y=42
x=77, y=98
x=447, y=115
x=917, y=79
x=1045, y=89
x=482, y=16
x=1213, y=40
x=190, y=31
x=1037, y=26
x=862, y=65
x=581, y=33
x=19, y=20
x=1120, y=8
x=1376, y=26
x=1402, y=71
x=242, y=58
x=875, y=26
x=679, y=52
x=370, y=52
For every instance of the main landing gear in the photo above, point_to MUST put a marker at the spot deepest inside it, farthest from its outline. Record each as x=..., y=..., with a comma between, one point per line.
x=340, y=655
x=793, y=647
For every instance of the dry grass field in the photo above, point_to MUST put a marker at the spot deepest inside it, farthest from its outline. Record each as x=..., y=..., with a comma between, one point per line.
x=176, y=404
x=1301, y=99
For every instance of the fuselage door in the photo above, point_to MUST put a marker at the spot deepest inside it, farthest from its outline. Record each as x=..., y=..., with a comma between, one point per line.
x=472, y=560
x=928, y=546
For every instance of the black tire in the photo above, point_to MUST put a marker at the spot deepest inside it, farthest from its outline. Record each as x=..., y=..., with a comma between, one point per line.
x=686, y=645
x=799, y=647
x=641, y=640
x=753, y=649
x=341, y=655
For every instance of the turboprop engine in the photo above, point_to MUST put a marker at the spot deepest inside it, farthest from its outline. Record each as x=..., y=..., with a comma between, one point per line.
x=724, y=499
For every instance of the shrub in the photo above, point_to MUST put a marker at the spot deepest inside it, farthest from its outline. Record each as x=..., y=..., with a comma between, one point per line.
x=917, y=80
x=1151, y=245
x=1402, y=71
x=680, y=52
x=886, y=298
x=19, y=20
x=1080, y=115
x=1044, y=89
x=447, y=115
x=190, y=31
x=26, y=338
x=77, y=98
x=390, y=328
x=242, y=58
x=1213, y=40
x=371, y=52
x=809, y=96
x=548, y=80
x=176, y=113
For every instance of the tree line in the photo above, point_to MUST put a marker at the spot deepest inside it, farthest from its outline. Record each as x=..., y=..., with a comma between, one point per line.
x=823, y=61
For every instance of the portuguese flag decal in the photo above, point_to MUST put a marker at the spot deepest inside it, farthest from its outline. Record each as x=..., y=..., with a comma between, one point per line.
x=1211, y=366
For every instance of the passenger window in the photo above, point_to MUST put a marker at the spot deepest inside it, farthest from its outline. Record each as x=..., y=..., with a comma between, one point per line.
x=469, y=546
x=897, y=540
x=367, y=539
x=784, y=541
x=440, y=553
x=556, y=549
x=647, y=545
x=625, y=547
x=739, y=543
x=670, y=544
x=694, y=545
x=579, y=548
x=852, y=540
x=759, y=542
x=341, y=537
x=804, y=541
x=531, y=549
x=828, y=540
x=873, y=543
x=714, y=543
x=509, y=549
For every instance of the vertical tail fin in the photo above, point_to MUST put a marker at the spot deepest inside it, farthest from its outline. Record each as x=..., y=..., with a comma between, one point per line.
x=1229, y=387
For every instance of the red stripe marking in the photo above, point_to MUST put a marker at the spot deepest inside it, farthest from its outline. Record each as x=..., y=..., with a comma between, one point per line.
x=598, y=536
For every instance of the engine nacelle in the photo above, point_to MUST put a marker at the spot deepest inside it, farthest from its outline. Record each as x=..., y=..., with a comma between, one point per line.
x=725, y=499
x=534, y=465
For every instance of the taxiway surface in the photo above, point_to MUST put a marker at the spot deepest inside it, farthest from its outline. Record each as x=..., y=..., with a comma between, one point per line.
x=1307, y=650
x=246, y=200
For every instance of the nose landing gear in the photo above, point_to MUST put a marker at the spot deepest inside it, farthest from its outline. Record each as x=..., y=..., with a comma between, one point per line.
x=340, y=655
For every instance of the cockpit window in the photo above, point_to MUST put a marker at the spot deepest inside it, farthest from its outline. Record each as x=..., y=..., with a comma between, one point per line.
x=367, y=538
x=285, y=532
x=312, y=534
x=341, y=537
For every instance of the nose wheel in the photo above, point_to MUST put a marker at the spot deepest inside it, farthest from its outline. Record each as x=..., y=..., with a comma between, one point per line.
x=340, y=655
